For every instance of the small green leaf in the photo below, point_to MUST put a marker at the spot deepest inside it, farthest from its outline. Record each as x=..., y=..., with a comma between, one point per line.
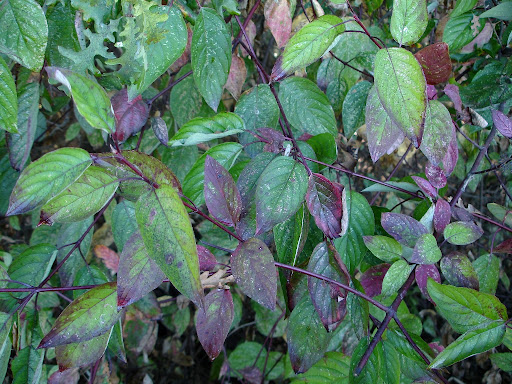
x=402, y=90
x=395, y=277
x=438, y=132
x=90, y=98
x=200, y=130
x=46, y=177
x=502, y=11
x=27, y=366
x=426, y=250
x=502, y=360
x=210, y=55
x=391, y=363
x=463, y=6
x=91, y=315
x=248, y=355
x=462, y=233
x=290, y=237
x=475, y=341
x=332, y=368
x=385, y=248
x=168, y=236
x=465, y=308
x=8, y=100
x=314, y=117
x=501, y=213
x=487, y=268
x=280, y=192
x=459, y=30
x=86, y=196
x=309, y=44
x=325, y=147
x=185, y=100
x=354, y=107
x=408, y=21
x=82, y=354
x=124, y=224
x=23, y=32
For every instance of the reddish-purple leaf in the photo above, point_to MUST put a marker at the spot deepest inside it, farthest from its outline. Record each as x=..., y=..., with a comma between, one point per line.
x=435, y=175
x=131, y=115
x=324, y=203
x=160, y=130
x=138, y=274
x=252, y=375
x=207, y=260
x=278, y=19
x=502, y=123
x=372, y=278
x=220, y=193
x=505, y=247
x=452, y=155
x=452, y=91
x=274, y=139
x=431, y=92
x=482, y=38
x=422, y=273
x=254, y=270
x=425, y=186
x=442, y=215
x=68, y=376
x=236, y=77
x=329, y=300
x=214, y=321
x=461, y=214
x=435, y=62
x=458, y=271
x=403, y=228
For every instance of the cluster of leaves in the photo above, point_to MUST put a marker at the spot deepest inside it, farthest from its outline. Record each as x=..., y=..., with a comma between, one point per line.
x=259, y=179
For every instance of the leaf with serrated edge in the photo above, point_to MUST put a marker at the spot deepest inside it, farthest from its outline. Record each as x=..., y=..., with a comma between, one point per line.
x=253, y=267
x=138, y=274
x=169, y=238
x=465, y=308
x=8, y=100
x=214, y=321
x=90, y=315
x=86, y=196
x=46, y=177
x=402, y=90
x=280, y=191
x=408, y=21
x=211, y=55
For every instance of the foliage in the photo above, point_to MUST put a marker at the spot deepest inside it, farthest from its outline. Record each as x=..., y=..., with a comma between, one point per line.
x=214, y=176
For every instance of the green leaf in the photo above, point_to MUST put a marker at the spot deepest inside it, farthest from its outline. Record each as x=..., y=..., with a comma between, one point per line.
x=385, y=248
x=370, y=372
x=225, y=154
x=501, y=213
x=354, y=107
x=8, y=100
x=325, y=147
x=86, y=196
x=475, y=341
x=23, y=32
x=76, y=355
x=438, y=132
x=459, y=30
x=248, y=355
x=463, y=6
x=426, y=250
x=332, y=368
x=290, y=237
x=61, y=33
x=185, y=100
x=124, y=224
x=487, y=268
x=465, y=308
x=169, y=238
x=91, y=315
x=200, y=130
x=408, y=21
x=210, y=53
x=502, y=360
x=462, y=233
x=307, y=338
x=502, y=11
x=402, y=90
x=357, y=221
x=20, y=143
x=90, y=98
x=309, y=44
x=27, y=366
x=314, y=117
x=458, y=271
x=46, y=177
x=280, y=192
x=395, y=277
x=391, y=362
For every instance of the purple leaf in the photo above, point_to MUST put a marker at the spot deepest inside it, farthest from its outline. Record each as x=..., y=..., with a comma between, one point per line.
x=422, y=273
x=437, y=133
x=372, y=278
x=452, y=155
x=458, y=271
x=254, y=270
x=435, y=175
x=435, y=62
x=461, y=214
x=504, y=247
x=214, y=321
x=138, y=274
x=431, y=92
x=207, y=260
x=425, y=186
x=452, y=91
x=403, y=228
x=160, y=130
x=502, y=123
x=220, y=193
x=324, y=203
x=69, y=376
x=131, y=115
x=329, y=300
x=274, y=140
x=442, y=215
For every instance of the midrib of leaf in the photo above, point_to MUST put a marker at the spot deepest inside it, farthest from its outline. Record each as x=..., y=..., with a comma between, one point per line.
x=399, y=85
